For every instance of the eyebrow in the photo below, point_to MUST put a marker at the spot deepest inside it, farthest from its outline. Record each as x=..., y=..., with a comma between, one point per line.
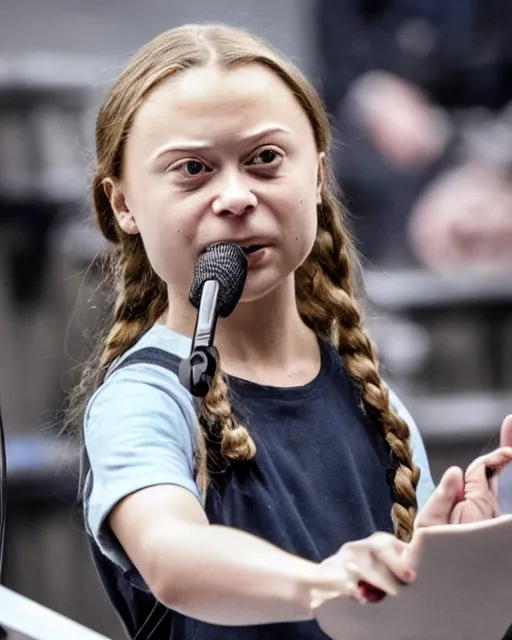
x=201, y=145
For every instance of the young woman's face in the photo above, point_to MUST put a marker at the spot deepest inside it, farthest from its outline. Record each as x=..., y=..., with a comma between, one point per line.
x=219, y=156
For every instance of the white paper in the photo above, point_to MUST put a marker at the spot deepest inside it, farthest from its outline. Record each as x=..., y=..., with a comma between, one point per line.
x=18, y=613
x=463, y=590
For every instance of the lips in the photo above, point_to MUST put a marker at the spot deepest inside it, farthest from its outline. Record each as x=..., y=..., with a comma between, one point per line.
x=248, y=245
x=252, y=248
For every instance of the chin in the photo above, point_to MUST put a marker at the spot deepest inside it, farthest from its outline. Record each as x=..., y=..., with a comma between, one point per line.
x=259, y=286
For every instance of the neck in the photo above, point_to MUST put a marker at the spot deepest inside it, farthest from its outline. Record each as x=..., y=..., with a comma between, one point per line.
x=268, y=332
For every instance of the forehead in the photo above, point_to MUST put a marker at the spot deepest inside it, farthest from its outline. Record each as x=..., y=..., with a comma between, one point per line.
x=212, y=102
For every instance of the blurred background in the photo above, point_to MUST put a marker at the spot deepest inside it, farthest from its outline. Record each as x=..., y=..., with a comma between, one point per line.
x=420, y=97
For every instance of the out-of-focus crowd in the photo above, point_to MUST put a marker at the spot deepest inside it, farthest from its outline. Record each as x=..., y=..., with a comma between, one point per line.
x=420, y=93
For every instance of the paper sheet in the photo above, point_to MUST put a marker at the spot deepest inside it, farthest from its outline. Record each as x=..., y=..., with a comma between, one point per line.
x=463, y=590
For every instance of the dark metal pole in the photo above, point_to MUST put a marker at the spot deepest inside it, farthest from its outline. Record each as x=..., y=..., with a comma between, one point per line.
x=3, y=503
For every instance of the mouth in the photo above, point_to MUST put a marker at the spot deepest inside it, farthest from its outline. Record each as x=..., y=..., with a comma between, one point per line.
x=249, y=249
x=252, y=248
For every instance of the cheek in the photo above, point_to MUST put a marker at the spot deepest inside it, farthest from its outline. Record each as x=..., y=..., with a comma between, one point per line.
x=303, y=226
x=167, y=224
x=167, y=240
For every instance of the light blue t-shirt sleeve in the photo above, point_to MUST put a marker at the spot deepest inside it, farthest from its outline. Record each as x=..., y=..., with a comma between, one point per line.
x=426, y=484
x=139, y=432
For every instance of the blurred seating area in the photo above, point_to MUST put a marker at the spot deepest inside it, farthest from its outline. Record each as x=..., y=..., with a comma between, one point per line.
x=420, y=96
x=47, y=244
x=424, y=155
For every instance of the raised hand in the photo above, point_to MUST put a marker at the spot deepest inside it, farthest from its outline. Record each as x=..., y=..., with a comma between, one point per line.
x=471, y=496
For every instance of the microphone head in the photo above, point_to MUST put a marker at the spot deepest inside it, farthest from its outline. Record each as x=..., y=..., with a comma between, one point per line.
x=227, y=264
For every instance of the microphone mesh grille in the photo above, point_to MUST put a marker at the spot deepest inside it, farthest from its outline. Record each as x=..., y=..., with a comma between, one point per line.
x=227, y=264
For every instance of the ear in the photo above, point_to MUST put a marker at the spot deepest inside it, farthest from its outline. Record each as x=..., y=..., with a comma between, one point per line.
x=117, y=198
x=320, y=177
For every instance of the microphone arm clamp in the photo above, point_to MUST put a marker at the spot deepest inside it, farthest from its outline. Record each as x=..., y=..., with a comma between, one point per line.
x=196, y=372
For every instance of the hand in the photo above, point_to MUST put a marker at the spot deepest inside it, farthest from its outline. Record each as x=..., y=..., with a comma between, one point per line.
x=379, y=561
x=464, y=218
x=469, y=497
x=399, y=120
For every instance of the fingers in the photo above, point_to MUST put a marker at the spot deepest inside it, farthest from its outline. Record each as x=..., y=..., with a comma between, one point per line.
x=394, y=559
x=506, y=432
x=365, y=570
x=439, y=506
x=503, y=453
x=483, y=473
x=355, y=581
x=377, y=563
x=497, y=459
x=369, y=571
x=369, y=592
x=382, y=573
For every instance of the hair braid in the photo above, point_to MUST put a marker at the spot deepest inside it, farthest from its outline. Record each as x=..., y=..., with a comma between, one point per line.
x=327, y=301
x=218, y=419
x=141, y=299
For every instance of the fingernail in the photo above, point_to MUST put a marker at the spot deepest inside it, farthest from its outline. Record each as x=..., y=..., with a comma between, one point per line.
x=372, y=593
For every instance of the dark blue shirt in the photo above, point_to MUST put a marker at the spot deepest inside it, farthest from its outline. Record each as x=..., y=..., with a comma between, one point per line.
x=319, y=479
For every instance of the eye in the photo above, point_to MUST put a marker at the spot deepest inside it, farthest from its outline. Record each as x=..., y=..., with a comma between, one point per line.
x=191, y=169
x=266, y=157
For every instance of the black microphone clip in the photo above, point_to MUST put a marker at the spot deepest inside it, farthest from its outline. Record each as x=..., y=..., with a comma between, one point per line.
x=197, y=371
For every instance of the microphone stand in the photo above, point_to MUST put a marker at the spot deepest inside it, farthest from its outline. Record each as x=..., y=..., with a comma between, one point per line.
x=196, y=372
x=3, y=503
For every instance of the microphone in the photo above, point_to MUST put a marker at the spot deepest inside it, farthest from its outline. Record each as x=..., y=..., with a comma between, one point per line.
x=217, y=284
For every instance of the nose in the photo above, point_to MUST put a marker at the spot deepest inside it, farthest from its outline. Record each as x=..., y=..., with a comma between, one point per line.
x=234, y=196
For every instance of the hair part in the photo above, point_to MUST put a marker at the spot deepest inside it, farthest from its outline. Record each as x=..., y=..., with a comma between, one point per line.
x=325, y=284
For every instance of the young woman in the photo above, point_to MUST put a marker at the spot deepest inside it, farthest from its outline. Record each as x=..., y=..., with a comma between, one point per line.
x=285, y=486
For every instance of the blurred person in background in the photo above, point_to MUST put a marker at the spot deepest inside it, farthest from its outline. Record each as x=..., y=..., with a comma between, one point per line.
x=420, y=92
